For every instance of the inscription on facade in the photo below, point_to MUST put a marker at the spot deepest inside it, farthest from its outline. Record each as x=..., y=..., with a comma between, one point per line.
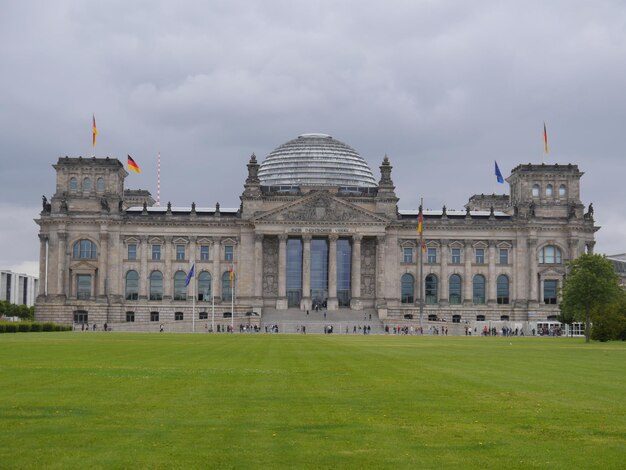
x=322, y=230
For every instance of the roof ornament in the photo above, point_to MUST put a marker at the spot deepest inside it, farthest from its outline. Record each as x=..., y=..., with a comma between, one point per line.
x=385, y=173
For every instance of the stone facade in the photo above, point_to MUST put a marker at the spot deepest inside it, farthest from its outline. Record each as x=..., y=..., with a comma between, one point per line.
x=104, y=261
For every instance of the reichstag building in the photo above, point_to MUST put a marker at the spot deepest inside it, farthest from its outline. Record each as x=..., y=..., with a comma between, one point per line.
x=315, y=229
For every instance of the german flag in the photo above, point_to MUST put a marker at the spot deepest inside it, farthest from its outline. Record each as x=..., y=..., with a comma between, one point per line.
x=94, y=130
x=132, y=165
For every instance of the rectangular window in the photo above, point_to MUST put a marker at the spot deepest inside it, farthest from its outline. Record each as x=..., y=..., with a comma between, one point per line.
x=130, y=316
x=549, y=291
x=156, y=252
x=204, y=316
x=204, y=252
x=178, y=316
x=480, y=256
x=154, y=316
x=407, y=255
x=432, y=255
x=504, y=256
x=180, y=252
x=132, y=251
x=81, y=316
x=83, y=286
x=456, y=255
x=229, y=252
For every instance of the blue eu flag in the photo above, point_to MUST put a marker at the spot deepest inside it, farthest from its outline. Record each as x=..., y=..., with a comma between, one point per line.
x=498, y=174
x=190, y=275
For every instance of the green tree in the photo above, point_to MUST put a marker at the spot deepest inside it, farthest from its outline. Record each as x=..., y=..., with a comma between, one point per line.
x=611, y=325
x=591, y=287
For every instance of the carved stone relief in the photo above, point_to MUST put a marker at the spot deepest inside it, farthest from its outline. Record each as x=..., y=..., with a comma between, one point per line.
x=320, y=209
x=270, y=266
x=368, y=268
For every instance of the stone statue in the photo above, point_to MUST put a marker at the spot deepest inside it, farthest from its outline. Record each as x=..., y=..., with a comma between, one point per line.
x=64, y=207
x=193, y=207
x=590, y=210
x=531, y=209
x=571, y=211
x=467, y=212
x=120, y=205
x=217, y=208
x=169, y=207
x=445, y=213
x=47, y=207
x=105, y=204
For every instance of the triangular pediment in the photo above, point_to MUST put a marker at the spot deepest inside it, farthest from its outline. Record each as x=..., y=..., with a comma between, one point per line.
x=551, y=271
x=321, y=207
x=85, y=265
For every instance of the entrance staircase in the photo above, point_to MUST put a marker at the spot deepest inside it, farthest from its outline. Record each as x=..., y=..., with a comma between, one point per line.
x=317, y=322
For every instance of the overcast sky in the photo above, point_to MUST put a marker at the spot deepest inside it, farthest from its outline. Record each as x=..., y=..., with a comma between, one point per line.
x=443, y=88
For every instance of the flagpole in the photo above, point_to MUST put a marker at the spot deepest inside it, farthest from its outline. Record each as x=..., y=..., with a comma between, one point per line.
x=232, y=295
x=212, y=306
x=193, y=303
x=421, y=274
x=193, y=311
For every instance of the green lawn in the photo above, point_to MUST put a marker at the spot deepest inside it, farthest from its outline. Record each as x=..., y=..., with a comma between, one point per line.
x=75, y=400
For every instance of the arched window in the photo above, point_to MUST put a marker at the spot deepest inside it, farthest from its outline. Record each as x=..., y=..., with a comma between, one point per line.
x=205, y=286
x=132, y=285
x=100, y=185
x=407, y=289
x=432, y=294
x=535, y=190
x=550, y=255
x=454, y=289
x=228, y=286
x=85, y=249
x=479, y=289
x=73, y=184
x=156, y=285
x=549, y=190
x=86, y=185
x=502, y=289
x=562, y=191
x=180, y=289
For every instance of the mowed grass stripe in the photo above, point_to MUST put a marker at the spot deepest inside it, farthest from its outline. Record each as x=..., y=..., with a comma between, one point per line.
x=314, y=401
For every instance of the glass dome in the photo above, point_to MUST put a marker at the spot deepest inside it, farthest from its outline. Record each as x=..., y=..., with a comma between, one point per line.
x=315, y=160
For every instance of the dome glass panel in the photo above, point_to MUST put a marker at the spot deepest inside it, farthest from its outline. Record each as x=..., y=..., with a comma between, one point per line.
x=315, y=160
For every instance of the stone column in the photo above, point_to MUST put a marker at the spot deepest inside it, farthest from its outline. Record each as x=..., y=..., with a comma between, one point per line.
x=192, y=250
x=468, y=294
x=332, y=303
x=62, y=237
x=532, y=271
x=281, y=302
x=217, y=270
x=514, y=273
x=306, y=303
x=258, y=266
x=144, y=272
x=102, y=265
x=590, y=246
x=43, y=267
x=168, y=276
x=355, y=301
x=443, y=285
x=380, y=272
x=492, y=278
